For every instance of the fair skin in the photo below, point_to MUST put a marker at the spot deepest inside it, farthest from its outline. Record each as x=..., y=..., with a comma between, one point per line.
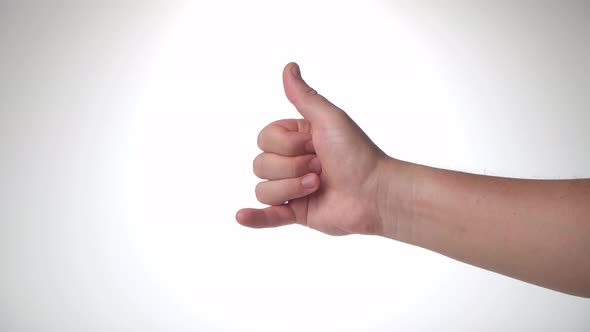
x=324, y=172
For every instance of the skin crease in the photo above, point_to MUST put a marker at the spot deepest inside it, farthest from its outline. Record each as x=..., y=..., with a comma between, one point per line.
x=537, y=231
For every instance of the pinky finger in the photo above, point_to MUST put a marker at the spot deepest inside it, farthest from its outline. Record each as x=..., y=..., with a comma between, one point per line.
x=272, y=216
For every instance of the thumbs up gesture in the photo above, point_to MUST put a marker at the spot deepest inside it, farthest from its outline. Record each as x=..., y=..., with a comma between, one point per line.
x=322, y=171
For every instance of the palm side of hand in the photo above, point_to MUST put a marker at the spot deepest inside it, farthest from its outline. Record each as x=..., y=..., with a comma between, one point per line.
x=342, y=199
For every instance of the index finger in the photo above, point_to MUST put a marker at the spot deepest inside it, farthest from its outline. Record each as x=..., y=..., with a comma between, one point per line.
x=289, y=137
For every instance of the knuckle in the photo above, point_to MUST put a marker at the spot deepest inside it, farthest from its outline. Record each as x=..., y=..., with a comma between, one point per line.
x=260, y=139
x=310, y=92
x=258, y=191
x=308, y=95
x=257, y=165
x=265, y=136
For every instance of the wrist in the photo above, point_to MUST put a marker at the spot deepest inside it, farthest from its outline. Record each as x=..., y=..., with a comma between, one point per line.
x=396, y=199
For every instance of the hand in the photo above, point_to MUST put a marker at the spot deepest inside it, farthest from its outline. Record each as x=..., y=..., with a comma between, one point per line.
x=323, y=170
x=532, y=230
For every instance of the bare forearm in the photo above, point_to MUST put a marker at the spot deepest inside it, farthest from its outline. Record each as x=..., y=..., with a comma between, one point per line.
x=534, y=230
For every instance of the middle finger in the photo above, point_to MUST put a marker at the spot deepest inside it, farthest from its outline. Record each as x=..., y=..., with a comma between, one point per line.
x=270, y=166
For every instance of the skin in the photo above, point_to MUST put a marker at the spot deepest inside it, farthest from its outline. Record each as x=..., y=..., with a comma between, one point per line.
x=324, y=172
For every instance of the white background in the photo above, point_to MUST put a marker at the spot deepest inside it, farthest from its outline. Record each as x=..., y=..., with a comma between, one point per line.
x=127, y=132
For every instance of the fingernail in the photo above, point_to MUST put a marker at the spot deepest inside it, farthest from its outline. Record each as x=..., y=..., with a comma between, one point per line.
x=309, y=147
x=314, y=165
x=296, y=71
x=308, y=181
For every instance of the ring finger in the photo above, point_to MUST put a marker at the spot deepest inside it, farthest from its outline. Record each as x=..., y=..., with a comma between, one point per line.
x=279, y=191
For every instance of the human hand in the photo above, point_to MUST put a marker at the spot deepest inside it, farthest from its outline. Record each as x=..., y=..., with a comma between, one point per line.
x=501, y=224
x=323, y=170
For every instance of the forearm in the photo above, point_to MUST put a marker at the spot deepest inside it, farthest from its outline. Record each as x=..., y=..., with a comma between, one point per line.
x=534, y=230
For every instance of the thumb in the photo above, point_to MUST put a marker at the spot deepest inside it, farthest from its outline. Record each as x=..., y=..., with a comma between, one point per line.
x=311, y=105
